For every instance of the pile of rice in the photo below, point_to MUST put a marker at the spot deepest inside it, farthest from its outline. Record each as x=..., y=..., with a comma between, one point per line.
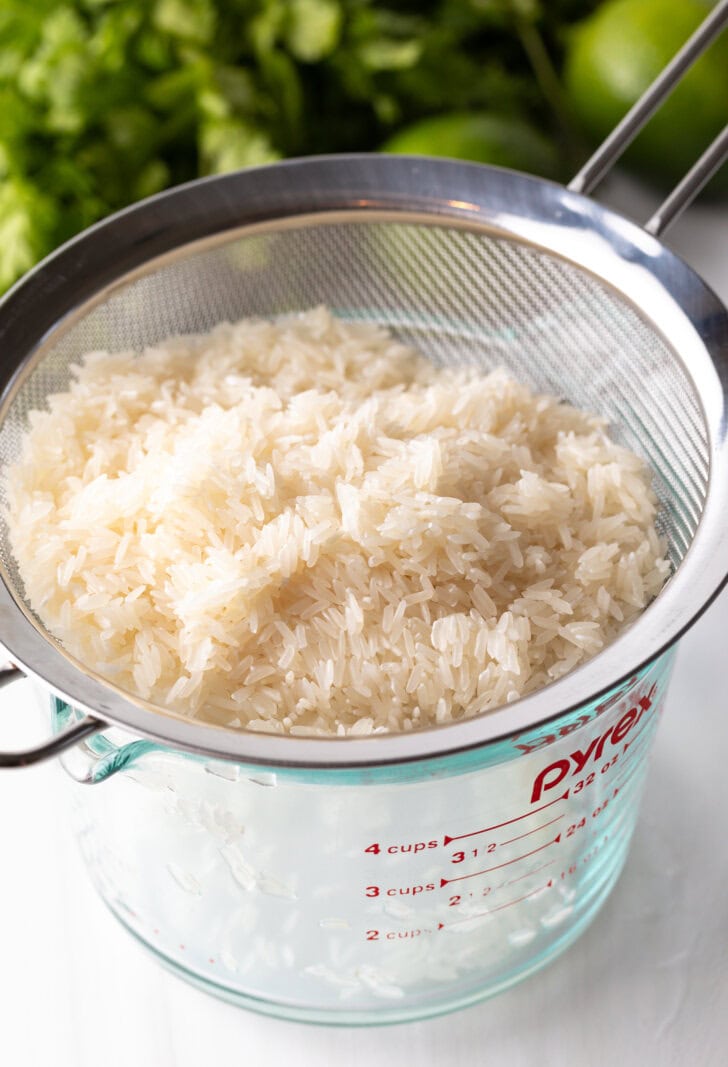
x=305, y=527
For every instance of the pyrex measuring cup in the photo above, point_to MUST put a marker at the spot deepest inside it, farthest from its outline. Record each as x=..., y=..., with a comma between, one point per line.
x=374, y=894
x=389, y=877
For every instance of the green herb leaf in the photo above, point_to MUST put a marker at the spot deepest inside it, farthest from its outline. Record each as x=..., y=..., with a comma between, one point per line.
x=313, y=29
x=27, y=222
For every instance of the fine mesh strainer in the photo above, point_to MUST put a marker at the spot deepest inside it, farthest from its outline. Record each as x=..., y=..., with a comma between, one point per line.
x=473, y=265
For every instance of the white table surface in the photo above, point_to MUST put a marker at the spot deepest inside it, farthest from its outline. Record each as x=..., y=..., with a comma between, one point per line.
x=647, y=984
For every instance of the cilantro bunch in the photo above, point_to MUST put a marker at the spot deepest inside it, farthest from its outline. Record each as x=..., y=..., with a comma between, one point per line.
x=103, y=102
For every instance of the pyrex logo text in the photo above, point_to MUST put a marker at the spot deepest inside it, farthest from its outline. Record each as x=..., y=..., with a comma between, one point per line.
x=556, y=772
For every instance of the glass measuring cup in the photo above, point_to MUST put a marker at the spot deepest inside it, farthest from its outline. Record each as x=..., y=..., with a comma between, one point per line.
x=377, y=895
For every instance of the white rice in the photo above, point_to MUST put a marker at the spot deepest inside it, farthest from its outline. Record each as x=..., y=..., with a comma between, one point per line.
x=305, y=527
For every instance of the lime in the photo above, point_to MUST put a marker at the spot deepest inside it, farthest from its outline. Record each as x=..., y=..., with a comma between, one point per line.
x=613, y=56
x=480, y=137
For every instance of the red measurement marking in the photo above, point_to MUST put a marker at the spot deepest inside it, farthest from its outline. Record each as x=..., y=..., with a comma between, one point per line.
x=649, y=721
x=473, y=833
x=491, y=911
x=534, y=831
x=534, y=871
x=462, y=877
x=632, y=768
x=626, y=778
x=634, y=747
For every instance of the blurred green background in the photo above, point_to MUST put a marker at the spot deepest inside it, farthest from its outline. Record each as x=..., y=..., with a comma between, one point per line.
x=103, y=102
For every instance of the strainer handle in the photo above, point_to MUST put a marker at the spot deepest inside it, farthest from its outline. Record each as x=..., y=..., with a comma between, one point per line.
x=685, y=192
x=57, y=744
x=602, y=161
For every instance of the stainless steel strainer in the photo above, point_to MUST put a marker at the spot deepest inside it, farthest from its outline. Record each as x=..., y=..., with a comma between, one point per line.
x=472, y=265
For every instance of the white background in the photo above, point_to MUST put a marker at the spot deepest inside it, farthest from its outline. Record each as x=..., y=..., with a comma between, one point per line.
x=646, y=985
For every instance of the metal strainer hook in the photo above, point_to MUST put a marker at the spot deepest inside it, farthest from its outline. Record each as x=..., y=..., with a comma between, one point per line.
x=72, y=735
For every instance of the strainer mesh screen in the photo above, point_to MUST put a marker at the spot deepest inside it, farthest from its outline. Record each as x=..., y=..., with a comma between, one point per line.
x=460, y=297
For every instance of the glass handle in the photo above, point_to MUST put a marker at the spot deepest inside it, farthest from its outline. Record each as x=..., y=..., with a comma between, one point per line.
x=63, y=740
